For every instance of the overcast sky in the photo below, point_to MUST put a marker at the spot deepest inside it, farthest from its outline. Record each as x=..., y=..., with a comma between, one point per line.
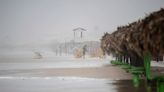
x=43, y=21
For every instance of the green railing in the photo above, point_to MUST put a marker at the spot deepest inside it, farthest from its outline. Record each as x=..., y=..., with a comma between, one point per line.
x=137, y=71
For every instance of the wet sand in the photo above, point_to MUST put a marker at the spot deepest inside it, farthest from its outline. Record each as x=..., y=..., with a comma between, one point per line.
x=109, y=72
x=106, y=72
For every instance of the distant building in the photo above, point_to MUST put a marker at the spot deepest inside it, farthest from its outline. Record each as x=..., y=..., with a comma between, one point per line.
x=78, y=34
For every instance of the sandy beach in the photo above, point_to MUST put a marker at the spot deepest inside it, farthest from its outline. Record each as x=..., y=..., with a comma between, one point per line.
x=108, y=72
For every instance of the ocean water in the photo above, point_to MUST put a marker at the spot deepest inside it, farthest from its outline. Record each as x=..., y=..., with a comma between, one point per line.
x=10, y=63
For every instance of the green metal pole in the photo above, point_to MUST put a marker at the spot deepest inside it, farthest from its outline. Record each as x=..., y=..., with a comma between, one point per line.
x=147, y=60
x=159, y=79
x=136, y=80
x=160, y=85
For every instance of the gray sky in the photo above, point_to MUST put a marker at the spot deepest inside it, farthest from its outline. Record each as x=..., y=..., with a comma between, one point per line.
x=26, y=22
